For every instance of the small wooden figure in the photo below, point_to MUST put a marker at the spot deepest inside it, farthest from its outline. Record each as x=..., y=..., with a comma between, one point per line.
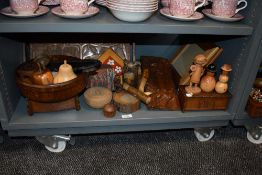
x=221, y=85
x=208, y=82
x=197, y=71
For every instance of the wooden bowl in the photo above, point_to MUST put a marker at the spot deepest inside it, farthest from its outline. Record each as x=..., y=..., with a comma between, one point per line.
x=54, y=92
x=48, y=93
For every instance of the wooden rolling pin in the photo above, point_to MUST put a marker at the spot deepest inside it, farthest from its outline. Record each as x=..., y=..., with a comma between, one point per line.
x=140, y=95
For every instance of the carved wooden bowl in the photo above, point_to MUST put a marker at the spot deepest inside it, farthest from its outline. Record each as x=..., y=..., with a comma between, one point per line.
x=52, y=97
x=54, y=92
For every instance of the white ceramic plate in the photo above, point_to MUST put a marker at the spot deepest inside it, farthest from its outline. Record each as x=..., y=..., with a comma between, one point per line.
x=91, y=12
x=132, y=10
x=51, y=2
x=208, y=13
x=133, y=2
x=133, y=5
x=194, y=17
x=9, y=12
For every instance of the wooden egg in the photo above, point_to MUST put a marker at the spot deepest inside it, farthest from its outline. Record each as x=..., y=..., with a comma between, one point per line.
x=109, y=110
x=98, y=97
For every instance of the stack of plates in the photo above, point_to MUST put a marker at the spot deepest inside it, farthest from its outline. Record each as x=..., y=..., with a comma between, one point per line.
x=101, y=2
x=132, y=10
x=51, y=2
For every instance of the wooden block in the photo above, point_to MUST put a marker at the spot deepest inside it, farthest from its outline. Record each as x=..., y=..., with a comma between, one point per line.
x=203, y=100
x=125, y=102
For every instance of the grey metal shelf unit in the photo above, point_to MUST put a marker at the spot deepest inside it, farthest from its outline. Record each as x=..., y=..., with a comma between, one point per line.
x=240, y=41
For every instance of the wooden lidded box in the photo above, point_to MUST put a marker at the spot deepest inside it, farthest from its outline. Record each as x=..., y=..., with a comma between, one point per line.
x=203, y=100
x=254, y=108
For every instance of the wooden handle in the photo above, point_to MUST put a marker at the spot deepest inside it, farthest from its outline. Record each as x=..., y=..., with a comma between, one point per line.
x=144, y=98
x=143, y=81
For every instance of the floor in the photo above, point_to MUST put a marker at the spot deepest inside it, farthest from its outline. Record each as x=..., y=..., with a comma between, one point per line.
x=175, y=152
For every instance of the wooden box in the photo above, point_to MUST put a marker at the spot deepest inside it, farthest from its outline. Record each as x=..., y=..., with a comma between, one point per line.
x=203, y=100
x=162, y=83
x=254, y=108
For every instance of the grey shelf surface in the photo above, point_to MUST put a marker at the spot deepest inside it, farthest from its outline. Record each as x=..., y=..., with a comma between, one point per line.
x=245, y=119
x=88, y=117
x=104, y=22
x=117, y=128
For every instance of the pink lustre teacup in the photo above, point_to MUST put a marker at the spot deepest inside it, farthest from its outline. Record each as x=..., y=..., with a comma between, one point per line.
x=165, y=3
x=227, y=8
x=75, y=7
x=24, y=7
x=184, y=8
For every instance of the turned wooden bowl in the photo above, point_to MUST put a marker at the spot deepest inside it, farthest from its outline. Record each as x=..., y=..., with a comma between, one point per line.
x=53, y=92
x=48, y=93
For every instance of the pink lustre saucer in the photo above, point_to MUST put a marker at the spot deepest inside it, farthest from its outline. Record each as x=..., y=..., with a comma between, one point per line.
x=208, y=13
x=195, y=16
x=9, y=12
x=91, y=12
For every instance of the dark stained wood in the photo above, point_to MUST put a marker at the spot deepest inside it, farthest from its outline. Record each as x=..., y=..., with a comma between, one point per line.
x=203, y=100
x=161, y=83
x=109, y=110
x=54, y=92
x=34, y=106
x=254, y=108
x=51, y=97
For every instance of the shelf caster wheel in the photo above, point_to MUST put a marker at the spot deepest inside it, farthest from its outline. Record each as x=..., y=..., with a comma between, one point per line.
x=61, y=145
x=254, y=134
x=204, y=134
x=55, y=143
